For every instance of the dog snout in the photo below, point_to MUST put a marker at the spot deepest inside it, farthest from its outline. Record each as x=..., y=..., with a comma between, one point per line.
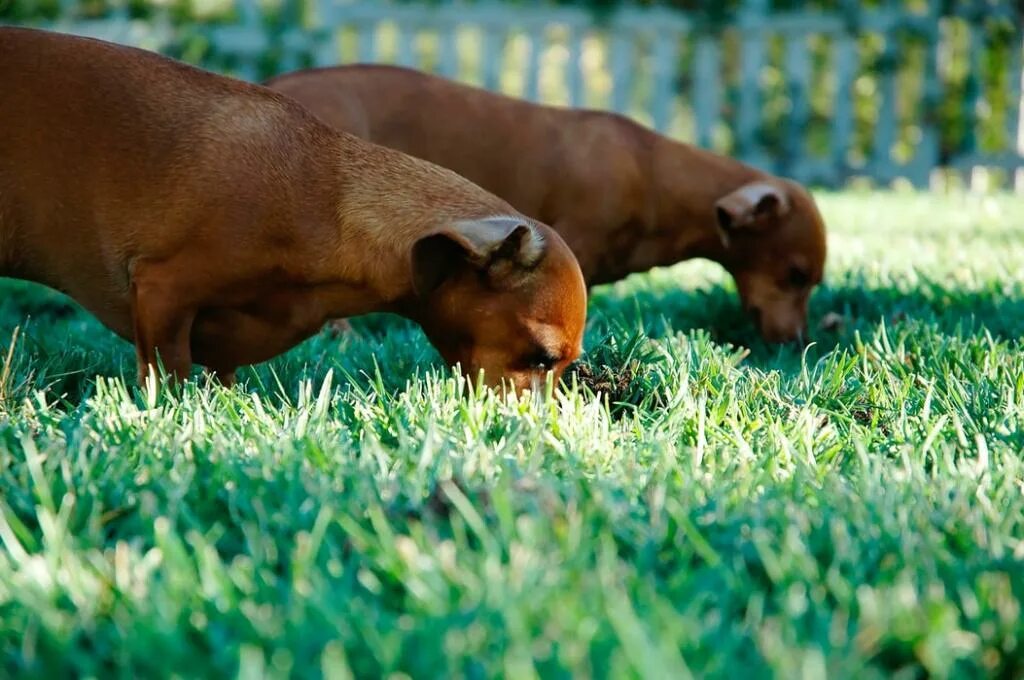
x=802, y=339
x=780, y=327
x=527, y=382
x=782, y=335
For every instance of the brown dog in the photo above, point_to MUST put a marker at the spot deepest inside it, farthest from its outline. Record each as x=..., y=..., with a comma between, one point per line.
x=218, y=222
x=624, y=198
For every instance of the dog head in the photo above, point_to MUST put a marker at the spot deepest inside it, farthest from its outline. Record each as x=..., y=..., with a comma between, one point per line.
x=502, y=295
x=774, y=241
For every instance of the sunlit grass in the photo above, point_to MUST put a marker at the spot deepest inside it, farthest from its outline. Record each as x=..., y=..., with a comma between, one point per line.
x=719, y=507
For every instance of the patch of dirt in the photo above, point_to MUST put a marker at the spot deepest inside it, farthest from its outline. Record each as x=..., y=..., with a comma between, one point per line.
x=606, y=380
x=863, y=415
x=866, y=415
x=623, y=387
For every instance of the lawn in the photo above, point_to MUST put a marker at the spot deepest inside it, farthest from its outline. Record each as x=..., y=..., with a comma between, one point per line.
x=718, y=508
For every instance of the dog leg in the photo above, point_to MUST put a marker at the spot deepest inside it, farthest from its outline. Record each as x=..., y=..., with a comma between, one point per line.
x=162, y=319
x=225, y=377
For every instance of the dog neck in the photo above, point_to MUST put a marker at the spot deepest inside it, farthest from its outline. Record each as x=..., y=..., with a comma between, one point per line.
x=386, y=202
x=686, y=183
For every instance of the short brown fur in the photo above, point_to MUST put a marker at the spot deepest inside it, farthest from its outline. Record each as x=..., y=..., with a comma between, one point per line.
x=215, y=221
x=624, y=198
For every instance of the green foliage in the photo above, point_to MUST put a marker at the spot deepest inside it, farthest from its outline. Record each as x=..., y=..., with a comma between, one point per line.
x=854, y=510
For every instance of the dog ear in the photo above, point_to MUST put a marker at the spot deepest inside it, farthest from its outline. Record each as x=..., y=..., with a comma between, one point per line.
x=497, y=246
x=753, y=206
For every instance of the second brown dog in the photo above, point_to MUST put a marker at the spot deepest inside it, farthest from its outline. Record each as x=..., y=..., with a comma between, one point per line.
x=624, y=198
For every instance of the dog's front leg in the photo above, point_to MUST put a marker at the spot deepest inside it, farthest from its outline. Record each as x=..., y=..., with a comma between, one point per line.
x=162, y=314
x=227, y=378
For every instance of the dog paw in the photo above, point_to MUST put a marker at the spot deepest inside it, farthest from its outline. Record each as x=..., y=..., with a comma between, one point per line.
x=338, y=327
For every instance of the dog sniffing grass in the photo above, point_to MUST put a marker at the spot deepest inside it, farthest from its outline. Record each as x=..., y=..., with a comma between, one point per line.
x=854, y=509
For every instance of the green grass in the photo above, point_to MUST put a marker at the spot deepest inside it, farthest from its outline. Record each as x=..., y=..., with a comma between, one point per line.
x=853, y=511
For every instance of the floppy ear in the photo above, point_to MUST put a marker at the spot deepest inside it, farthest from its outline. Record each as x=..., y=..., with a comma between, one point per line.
x=753, y=206
x=496, y=246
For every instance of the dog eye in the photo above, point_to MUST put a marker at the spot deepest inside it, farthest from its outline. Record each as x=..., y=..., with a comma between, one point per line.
x=541, y=361
x=798, y=277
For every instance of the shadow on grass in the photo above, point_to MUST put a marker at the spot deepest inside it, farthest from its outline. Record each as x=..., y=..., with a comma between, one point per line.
x=63, y=347
x=838, y=313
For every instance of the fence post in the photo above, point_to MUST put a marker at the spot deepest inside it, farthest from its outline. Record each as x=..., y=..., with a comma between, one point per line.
x=1015, y=110
x=531, y=90
x=926, y=157
x=798, y=72
x=574, y=66
x=326, y=49
x=621, y=54
x=448, y=59
x=491, y=56
x=367, y=41
x=665, y=54
x=292, y=36
x=706, y=91
x=845, y=54
x=405, y=36
x=885, y=124
x=748, y=120
x=972, y=93
x=247, y=38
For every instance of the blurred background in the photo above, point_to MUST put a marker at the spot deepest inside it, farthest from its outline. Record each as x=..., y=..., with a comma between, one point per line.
x=831, y=92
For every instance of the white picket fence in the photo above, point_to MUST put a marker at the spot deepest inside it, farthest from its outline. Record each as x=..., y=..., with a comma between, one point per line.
x=785, y=91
